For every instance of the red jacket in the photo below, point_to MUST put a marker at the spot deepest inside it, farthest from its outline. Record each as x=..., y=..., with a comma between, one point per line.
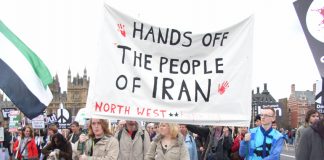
x=236, y=146
x=31, y=148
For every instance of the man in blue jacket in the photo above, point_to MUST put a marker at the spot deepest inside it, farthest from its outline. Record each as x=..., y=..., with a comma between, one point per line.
x=263, y=142
x=190, y=142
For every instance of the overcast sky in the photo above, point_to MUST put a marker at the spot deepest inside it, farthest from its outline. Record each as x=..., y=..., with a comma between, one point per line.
x=64, y=33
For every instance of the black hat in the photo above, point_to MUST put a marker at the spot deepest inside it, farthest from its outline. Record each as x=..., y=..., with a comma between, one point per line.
x=257, y=117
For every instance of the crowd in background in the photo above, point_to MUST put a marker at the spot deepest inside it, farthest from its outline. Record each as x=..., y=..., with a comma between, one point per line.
x=129, y=140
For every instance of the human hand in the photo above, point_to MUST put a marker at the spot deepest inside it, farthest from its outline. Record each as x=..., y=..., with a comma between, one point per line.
x=83, y=138
x=201, y=149
x=195, y=135
x=83, y=157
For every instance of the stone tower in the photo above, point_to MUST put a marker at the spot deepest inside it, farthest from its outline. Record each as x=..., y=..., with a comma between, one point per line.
x=77, y=92
x=57, y=96
x=74, y=98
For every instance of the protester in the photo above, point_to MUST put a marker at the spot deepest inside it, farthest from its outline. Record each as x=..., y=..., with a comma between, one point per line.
x=257, y=121
x=133, y=141
x=25, y=148
x=311, y=117
x=18, y=134
x=236, y=144
x=59, y=148
x=274, y=125
x=39, y=140
x=312, y=142
x=262, y=142
x=120, y=125
x=218, y=142
x=190, y=142
x=73, y=138
x=292, y=136
x=200, y=142
x=156, y=128
x=51, y=130
x=100, y=143
x=168, y=145
x=5, y=145
x=150, y=130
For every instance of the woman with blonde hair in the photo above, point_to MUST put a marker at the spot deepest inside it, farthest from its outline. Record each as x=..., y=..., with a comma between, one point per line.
x=100, y=143
x=25, y=148
x=168, y=145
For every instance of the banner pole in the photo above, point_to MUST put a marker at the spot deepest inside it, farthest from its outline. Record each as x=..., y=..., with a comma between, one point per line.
x=322, y=92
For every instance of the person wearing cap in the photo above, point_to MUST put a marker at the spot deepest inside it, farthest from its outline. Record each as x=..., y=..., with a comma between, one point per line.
x=312, y=142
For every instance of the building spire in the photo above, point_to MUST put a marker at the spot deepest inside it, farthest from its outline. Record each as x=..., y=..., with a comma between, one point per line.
x=69, y=75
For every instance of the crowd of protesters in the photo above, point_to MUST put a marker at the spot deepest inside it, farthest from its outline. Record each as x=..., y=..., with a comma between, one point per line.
x=129, y=140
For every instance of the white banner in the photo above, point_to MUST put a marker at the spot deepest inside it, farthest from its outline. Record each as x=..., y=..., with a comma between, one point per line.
x=151, y=73
x=38, y=122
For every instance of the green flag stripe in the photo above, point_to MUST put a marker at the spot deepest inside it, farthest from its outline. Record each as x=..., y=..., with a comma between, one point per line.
x=38, y=66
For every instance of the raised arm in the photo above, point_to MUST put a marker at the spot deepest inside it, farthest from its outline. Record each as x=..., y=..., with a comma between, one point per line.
x=201, y=131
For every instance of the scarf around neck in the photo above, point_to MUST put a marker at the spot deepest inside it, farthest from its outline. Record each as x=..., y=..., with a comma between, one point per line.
x=264, y=145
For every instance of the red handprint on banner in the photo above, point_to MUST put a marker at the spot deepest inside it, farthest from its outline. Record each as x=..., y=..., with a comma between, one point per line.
x=222, y=88
x=121, y=29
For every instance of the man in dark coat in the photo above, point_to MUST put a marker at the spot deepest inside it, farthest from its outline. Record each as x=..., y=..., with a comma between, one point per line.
x=312, y=142
x=218, y=141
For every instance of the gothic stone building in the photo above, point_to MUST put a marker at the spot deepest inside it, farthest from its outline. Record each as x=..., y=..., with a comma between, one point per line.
x=74, y=98
x=261, y=99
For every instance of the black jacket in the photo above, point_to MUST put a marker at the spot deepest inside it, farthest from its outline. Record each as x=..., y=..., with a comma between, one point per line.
x=311, y=144
x=219, y=152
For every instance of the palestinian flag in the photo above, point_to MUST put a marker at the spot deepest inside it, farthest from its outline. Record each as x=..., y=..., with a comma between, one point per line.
x=23, y=76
